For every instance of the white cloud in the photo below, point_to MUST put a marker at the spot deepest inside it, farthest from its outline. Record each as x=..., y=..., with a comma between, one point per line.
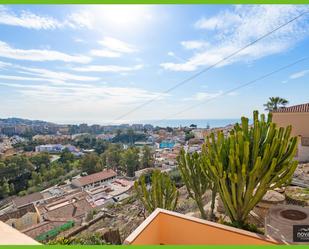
x=58, y=76
x=105, y=53
x=225, y=20
x=79, y=40
x=106, y=18
x=299, y=74
x=112, y=47
x=14, y=77
x=117, y=45
x=45, y=75
x=108, y=68
x=79, y=20
x=4, y=64
x=91, y=103
x=238, y=27
x=27, y=19
x=202, y=96
x=39, y=55
x=233, y=93
x=194, y=44
x=79, y=94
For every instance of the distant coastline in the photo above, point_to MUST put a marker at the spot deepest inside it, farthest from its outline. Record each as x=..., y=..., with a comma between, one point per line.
x=201, y=123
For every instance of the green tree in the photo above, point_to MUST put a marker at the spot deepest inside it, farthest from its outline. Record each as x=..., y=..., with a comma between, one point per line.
x=130, y=134
x=274, y=103
x=36, y=179
x=40, y=158
x=12, y=189
x=112, y=156
x=169, y=129
x=4, y=188
x=162, y=194
x=20, y=163
x=100, y=146
x=248, y=163
x=86, y=142
x=188, y=135
x=191, y=170
x=66, y=156
x=91, y=163
x=130, y=161
x=147, y=157
x=2, y=169
x=129, y=137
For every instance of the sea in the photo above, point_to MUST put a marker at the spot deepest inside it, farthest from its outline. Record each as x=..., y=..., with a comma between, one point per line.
x=200, y=123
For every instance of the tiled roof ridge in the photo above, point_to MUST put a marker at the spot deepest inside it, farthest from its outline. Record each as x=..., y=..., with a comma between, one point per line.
x=295, y=108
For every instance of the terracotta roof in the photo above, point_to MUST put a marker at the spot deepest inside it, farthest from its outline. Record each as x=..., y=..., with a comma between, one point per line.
x=27, y=199
x=67, y=212
x=18, y=213
x=294, y=108
x=103, y=175
x=42, y=227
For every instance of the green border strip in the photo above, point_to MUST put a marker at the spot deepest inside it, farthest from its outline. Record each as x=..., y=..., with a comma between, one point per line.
x=154, y=1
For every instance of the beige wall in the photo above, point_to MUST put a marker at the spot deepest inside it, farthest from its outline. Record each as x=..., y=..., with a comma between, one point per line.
x=300, y=127
x=170, y=228
x=299, y=122
x=24, y=222
x=302, y=153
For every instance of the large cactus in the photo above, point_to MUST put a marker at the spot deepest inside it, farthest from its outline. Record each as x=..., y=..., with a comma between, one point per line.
x=162, y=194
x=248, y=162
x=196, y=182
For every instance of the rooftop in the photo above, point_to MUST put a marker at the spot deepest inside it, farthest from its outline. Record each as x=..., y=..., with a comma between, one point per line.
x=27, y=199
x=18, y=213
x=103, y=175
x=164, y=227
x=42, y=227
x=69, y=211
x=294, y=108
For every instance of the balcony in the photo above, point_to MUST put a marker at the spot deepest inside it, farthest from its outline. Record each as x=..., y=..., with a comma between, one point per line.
x=164, y=227
x=11, y=236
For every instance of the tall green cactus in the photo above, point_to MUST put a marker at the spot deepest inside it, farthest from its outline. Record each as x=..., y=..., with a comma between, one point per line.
x=248, y=163
x=162, y=194
x=196, y=182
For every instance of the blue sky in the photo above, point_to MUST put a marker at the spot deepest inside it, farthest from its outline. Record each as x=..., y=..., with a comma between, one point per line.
x=73, y=64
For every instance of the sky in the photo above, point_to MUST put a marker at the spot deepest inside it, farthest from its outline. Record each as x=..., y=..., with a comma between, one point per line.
x=94, y=63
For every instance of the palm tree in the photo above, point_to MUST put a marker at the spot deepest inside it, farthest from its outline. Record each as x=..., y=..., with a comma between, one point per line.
x=274, y=103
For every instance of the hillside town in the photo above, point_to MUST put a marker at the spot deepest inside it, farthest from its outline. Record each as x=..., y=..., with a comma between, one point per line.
x=75, y=181
x=93, y=191
x=81, y=197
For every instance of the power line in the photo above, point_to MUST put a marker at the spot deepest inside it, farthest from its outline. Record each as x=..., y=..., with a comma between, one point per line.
x=236, y=88
x=208, y=68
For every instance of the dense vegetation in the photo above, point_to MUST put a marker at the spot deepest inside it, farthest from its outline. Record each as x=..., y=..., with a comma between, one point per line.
x=21, y=174
x=93, y=239
x=129, y=137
